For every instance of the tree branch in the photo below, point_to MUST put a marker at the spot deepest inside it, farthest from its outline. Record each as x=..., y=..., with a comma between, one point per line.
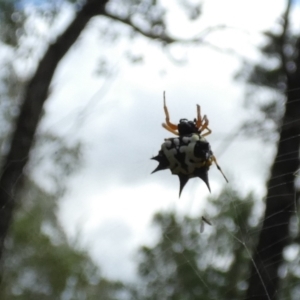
x=280, y=199
x=163, y=37
x=284, y=35
x=31, y=110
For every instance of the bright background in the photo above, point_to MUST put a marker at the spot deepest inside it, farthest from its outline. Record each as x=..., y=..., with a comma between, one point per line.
x=112, y=198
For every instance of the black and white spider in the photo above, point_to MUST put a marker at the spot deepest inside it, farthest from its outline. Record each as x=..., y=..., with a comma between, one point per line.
x=189, y=154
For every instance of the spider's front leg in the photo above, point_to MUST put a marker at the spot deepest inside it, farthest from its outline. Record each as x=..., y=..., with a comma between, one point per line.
x=199, y=119
x=168, y=125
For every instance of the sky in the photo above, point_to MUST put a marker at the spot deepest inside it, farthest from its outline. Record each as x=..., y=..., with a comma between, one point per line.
x=111, y=199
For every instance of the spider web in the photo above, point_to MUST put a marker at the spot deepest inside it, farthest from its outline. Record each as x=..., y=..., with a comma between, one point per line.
x=235, y=222
x=242, y=229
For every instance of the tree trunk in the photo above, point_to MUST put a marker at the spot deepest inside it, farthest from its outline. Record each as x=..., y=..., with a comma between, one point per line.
x=280, y=200
x=31, y=110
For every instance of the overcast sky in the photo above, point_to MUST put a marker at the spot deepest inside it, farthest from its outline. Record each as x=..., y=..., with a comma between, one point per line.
x=112, y=199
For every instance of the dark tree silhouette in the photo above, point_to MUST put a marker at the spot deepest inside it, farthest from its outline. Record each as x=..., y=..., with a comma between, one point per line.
x=281, y=193
x=31, y=109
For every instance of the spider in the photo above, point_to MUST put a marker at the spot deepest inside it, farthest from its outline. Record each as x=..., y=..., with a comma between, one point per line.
x=187, y=127
x=189, y=154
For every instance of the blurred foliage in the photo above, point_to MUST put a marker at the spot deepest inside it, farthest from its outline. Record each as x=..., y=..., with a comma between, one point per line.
x=267, y=83
x=267, y=79
x=290, y=273
x=41, y=263
x=11, y=20
x=14, y=13
x=290, y=269
x=187, y=264
x=25, y=26
x=55, y=159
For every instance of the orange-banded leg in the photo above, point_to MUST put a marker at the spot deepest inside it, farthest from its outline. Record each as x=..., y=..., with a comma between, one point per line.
x=169, y=129
x=205, y=126
x=219, y=168
x=199, y=119
x=169, y=126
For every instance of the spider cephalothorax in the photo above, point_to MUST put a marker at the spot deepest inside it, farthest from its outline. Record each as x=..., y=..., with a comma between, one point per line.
x=186, y=127
x=189, y=155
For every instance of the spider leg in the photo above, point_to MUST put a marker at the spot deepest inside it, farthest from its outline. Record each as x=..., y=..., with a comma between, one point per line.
x=199, y=119
x=219, y=168
x=205, y=123
x=207, y=133
x=170, y=129
x=205, y=126
x=169, y=124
